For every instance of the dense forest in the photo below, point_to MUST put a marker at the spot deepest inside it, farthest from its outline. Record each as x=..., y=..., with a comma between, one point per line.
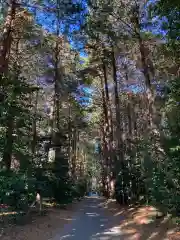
x=90, y=89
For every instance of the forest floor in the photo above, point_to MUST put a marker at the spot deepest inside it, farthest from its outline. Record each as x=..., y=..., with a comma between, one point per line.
x=96, y=219
x=36, y=227
x=140, y=223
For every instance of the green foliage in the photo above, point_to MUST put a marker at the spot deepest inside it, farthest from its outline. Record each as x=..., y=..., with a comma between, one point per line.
x=168, y=176
x=17, y=190
x=25, y=127
x=154, y=176
x=78, y=189
x=169, y=13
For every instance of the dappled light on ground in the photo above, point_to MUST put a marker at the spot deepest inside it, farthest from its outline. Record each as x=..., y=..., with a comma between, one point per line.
x=97, y=219
x=105, y=220
x=41, y=227
x=140, y=223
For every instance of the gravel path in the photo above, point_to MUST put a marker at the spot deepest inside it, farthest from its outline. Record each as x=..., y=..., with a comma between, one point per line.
x=91, y=221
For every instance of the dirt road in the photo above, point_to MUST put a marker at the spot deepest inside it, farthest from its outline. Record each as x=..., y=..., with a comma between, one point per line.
x=91, y=221
x=96, y=219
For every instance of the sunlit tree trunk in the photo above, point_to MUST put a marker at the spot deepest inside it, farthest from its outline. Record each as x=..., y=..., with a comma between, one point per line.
x=109, y=111
x=106, y=139
x=108, y=117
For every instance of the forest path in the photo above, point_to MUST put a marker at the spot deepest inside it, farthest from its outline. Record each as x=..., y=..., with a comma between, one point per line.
x=95, y=219
x=98, y=219
x=92, y=221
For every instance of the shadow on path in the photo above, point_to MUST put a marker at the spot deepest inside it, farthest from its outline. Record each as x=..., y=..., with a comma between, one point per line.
x=92, y=221
x=99, y=220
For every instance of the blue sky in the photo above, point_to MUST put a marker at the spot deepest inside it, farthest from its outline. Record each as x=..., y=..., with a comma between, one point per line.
x=48, y=22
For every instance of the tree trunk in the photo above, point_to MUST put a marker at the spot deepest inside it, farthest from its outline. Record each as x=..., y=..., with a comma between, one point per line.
x=119, y=130
x=34, y=130
x=130, y=125
x=106, y=138
x=104, y=174
x=118, y=116
x=153, y=129
x=109, y=111
x=7, y=38
x=149, y=90
x=57, y=79
x=70, y=138
x=74, y=153
x=8, y=148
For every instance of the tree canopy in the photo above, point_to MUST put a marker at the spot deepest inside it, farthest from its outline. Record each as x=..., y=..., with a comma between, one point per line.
x=90, y=90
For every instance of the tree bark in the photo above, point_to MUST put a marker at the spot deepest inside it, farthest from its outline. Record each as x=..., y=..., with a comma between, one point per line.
x=109, y=111
x=117, y=109
x=149, y=90
x=7, y=38
x=34, y=130
x=74, y=153
x=104, y=174
x=8, y=147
